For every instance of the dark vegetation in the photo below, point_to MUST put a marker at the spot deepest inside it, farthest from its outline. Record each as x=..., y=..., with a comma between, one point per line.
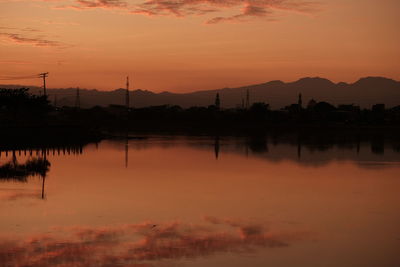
x=28, y=118
x=18, y=106
x=29, y=122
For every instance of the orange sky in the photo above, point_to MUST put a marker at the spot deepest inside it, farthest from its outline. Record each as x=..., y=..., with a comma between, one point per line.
x=187, y=45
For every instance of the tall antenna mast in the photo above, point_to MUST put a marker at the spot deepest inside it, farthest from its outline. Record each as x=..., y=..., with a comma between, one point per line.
x=78, y=99
x=247, y=99
x=44, y=75
x=127, y=93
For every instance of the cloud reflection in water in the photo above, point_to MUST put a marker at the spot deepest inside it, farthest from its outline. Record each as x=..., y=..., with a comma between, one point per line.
x=142, y=244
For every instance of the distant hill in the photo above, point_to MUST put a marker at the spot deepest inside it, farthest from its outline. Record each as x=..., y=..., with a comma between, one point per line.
x=365, y=92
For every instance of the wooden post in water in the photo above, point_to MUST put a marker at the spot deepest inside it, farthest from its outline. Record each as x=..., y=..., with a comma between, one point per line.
x=14, y=158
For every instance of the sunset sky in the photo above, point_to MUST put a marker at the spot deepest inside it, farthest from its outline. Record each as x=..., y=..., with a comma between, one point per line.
x=188, y=45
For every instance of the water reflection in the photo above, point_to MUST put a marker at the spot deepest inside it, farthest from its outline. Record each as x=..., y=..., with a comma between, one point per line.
x=36, y=164
x=366, y=152
x=216, y=147
x=13, y=170
x=147, y=202
x=373, y=151
x=143, y=244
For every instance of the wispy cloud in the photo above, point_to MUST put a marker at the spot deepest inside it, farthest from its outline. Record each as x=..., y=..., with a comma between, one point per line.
x=34, y=41
x=29, y=29
x=144, y=244
x=28, y=36
x=243, y=10
x=61, y=23
x=215, y=10
x=88, y=4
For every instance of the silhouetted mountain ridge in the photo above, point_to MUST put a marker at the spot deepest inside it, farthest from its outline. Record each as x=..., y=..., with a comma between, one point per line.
x=364, y=92
x=375, y=81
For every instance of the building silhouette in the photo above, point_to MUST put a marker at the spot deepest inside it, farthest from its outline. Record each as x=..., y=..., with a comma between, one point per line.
x=217, y=101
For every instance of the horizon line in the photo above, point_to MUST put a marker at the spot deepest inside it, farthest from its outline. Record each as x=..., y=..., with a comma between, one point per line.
x=202, y=90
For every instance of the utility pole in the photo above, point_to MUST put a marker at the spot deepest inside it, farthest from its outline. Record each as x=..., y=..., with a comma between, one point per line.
x=44, y=75
x=127, y=93
x=77, y=100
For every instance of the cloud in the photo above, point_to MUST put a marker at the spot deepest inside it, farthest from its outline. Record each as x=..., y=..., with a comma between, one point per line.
x=88, y=4
x=144, y=244
x=247, y=8
x=33, y=41
x=243, y=10
x=51, y=22
x=29, y=29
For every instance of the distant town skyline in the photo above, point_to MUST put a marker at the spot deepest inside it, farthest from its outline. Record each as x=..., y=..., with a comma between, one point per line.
x=184, y=46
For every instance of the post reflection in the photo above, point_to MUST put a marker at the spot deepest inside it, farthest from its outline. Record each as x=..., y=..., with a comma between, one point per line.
x=308, y=150
x=216, y=147
x=28, y=163
x=303, y=149
x=126, y=152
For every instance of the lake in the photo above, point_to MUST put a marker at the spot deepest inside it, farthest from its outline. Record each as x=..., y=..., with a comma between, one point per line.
x=202, y=201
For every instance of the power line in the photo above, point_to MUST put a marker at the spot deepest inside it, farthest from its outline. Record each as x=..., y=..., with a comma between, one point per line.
x=10, y=78
x=43, y=75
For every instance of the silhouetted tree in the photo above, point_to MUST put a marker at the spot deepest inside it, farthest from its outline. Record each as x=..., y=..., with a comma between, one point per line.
x=324, y=107
x=311, y=104
x=18, y=103
x=259, y=110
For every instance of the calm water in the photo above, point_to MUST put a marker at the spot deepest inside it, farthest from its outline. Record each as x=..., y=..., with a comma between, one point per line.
x=180, y=201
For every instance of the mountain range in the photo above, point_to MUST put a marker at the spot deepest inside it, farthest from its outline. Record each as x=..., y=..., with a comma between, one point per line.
x=365, y=92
